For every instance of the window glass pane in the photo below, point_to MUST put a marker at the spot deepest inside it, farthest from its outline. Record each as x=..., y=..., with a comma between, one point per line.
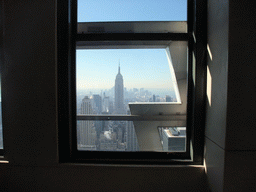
x=113, y=78
x=131, y=81
x=122, y=136
x=132, y=10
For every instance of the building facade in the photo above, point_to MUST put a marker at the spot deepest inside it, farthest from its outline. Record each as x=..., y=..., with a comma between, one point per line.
x=86, y=130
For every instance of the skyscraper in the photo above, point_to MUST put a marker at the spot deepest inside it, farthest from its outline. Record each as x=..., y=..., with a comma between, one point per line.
x=131, y=138
x=97, y=108
x=87, y=133
x=168, y=98
x=97, y=104
x=154, y=98
x=174, y=139
x=119, y=93
x=105, y=104
x=132, y=143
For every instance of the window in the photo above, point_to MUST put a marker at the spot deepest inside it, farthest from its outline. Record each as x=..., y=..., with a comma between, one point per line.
x=106, y=88
x=116, y=111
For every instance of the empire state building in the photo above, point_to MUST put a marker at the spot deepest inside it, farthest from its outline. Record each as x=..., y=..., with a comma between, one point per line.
x=119, y=93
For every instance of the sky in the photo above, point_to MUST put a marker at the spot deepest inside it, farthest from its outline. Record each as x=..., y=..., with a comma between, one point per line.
x=132, y=10
x=141, y=68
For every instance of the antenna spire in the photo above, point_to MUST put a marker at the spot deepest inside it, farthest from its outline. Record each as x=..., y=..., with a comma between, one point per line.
x=119, y=67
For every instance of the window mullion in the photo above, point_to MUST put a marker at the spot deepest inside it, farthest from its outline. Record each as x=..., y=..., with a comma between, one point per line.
x=132, y=36
x=133, y=117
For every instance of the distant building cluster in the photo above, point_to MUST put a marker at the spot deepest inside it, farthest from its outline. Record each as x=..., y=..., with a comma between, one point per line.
x=106, y=135
x=112, y=135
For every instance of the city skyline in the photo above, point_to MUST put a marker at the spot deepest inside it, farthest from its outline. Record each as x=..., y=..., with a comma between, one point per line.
x=102, y=135
x=106, y=135
x=141, y=68
x=118, y=135
x=119, y=94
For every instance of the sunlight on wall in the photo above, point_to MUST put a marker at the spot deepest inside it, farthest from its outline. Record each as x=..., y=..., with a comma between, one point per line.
x=209, y=51
x=209, y=86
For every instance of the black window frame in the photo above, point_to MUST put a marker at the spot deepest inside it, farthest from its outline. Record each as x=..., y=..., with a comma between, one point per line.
x=1, y=65
x=66, y=62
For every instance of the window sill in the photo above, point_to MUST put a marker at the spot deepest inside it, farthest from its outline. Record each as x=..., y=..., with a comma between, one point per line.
x=129, y=165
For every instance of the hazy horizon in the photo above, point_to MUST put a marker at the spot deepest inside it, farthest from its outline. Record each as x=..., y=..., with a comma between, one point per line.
x=140, y=68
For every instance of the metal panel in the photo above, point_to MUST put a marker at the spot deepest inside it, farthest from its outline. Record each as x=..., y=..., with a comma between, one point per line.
x=121, y=44
x=180, y=118
x=133, y=27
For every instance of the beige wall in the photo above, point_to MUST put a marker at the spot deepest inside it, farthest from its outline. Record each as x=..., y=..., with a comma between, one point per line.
x=230, y=124
x=216, y=101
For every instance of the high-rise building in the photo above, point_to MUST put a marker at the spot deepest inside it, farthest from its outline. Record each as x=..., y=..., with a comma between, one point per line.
x=119, y=93
x=105, y=104
x=131, y=138
x=168, y=98
x=97, y=104
x=86, y=132
x=154, y=98
x=132, y=143
x=97, y=108
x=174, y=139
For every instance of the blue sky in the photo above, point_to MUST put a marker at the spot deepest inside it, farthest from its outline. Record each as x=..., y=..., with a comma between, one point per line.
x=147, y=68
x=141, y=68
x=132, y=10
